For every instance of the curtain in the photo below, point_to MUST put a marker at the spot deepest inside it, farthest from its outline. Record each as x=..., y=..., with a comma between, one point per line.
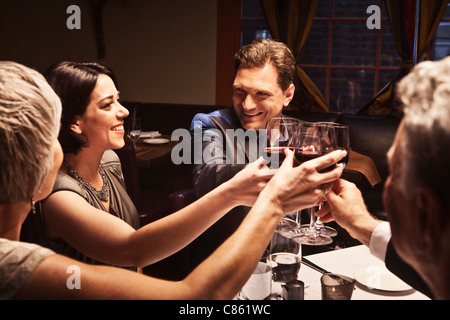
x=401, y=15
x=97, y=14
x=290, y=22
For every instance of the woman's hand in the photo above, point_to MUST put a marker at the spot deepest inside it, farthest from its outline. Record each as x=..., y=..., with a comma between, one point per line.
x=247, y=184
x=297, y=188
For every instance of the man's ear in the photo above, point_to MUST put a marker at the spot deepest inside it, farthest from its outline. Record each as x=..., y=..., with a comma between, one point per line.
x=289, y=95
x=75, y=127
x=431, y=218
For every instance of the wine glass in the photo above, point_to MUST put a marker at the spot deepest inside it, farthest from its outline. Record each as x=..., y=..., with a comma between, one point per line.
x=135, y=131
x=314, y=140
x=280, y=135
x=285, y=257
x=280, y=132
x=342, y=142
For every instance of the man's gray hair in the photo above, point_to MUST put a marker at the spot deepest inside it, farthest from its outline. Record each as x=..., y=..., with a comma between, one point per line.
x=30, y=113
x=425, y=95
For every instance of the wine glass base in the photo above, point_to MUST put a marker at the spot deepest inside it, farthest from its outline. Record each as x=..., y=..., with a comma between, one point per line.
x=325, y=230
x=310, y=237
x=275, y=296
x=287, y=227
x=313, y=240
x=328, y=231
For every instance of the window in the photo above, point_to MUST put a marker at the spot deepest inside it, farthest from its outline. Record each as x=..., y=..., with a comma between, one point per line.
x=441, y=43
x=253, y=23
x=347, y=61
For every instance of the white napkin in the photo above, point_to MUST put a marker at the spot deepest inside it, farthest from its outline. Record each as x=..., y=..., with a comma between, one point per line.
x=150, y=134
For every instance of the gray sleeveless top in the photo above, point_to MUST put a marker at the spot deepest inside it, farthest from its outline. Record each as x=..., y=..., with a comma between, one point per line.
x=18, y=260
x=121, y=205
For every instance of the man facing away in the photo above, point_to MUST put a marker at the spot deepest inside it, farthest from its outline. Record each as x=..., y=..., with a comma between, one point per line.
x=416, y=192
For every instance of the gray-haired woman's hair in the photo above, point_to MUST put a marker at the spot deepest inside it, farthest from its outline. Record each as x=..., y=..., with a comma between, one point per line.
x=425, y=96
x=30, y=114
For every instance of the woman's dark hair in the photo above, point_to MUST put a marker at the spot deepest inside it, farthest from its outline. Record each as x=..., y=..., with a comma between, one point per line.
x=74, y=82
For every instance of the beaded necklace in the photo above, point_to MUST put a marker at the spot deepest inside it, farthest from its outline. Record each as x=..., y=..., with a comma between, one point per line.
x=103, y=194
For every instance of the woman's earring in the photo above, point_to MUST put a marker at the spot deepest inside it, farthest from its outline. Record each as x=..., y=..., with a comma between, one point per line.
x=33, y=205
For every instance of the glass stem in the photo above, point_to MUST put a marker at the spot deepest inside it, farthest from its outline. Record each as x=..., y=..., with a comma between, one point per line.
x=312, y=224
x=319, y=224
x=311, y=217
x=297, y=217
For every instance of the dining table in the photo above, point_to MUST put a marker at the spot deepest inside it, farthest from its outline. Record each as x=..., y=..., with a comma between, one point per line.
x=153, y=151
x=374, y=281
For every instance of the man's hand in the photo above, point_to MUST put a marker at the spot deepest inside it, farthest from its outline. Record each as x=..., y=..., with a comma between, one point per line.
x=346, y=206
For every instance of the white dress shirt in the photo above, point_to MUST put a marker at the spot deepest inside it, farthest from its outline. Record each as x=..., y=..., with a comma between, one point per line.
x=379, y=240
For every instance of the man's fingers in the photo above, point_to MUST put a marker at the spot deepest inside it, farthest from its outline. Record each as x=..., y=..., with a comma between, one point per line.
x=323, y=211
x=331, y=198
x=327, y=218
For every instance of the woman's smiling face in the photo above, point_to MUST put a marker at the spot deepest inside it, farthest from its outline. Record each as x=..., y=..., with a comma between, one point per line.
x=102, y=123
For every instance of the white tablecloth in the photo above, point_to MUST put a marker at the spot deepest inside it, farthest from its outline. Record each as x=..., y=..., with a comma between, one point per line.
x=346, y=262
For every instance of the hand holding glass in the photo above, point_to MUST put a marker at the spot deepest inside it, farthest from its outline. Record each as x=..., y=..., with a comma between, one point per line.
x=314, y=140
x=342, y=143
x=281, y=132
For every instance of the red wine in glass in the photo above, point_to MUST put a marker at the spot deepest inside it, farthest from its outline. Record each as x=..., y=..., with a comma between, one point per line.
x=305, y=155
x=276, y=153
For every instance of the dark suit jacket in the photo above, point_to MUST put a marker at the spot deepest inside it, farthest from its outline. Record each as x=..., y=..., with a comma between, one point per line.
x=404, y=271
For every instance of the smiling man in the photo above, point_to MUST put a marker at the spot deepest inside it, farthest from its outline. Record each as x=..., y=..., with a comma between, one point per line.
x=262, y=87
x=263, y=82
